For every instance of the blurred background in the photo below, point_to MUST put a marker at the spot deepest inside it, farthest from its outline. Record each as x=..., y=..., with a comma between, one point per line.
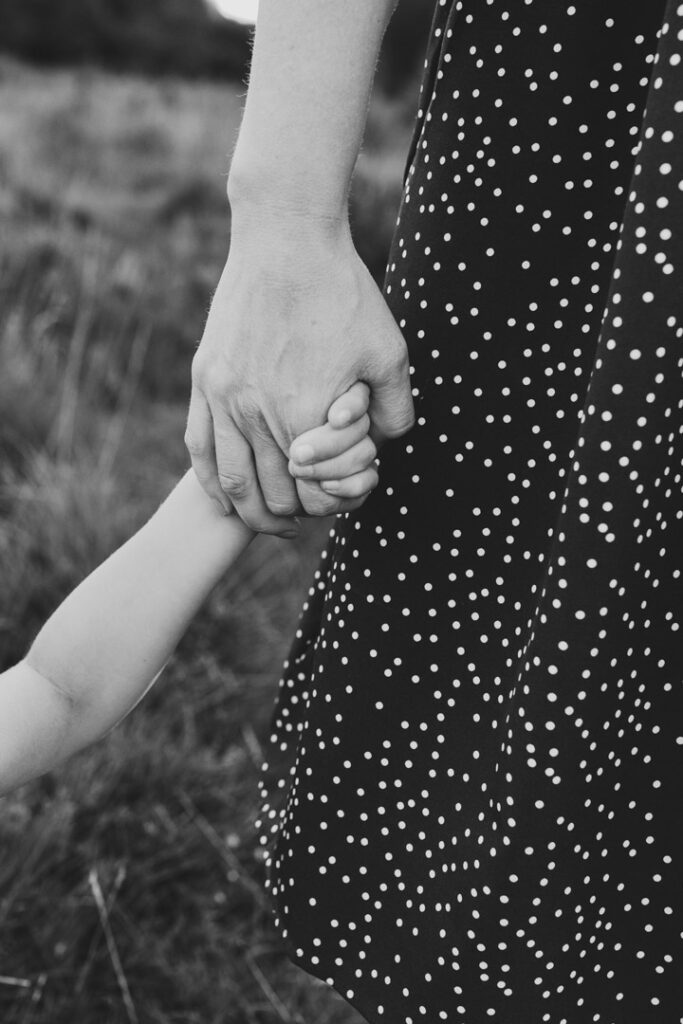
x=131, y=885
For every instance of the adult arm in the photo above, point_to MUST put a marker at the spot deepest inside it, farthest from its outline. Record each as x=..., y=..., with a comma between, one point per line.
x=296, y=318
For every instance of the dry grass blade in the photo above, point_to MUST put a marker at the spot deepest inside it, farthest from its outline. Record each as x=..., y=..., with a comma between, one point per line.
x=17, y=982
x=252, y=744
x=111, y=896
x=212, y=837
x=267, y=989
x=114, y=434
x=63, y=435
x=36, y=996
x=94, y=882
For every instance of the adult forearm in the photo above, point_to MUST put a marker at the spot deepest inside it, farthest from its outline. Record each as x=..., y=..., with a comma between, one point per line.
x=312, y=70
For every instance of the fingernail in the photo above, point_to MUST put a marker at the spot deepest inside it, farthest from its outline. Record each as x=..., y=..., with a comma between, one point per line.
x=330, y=485
x=296, y=470
x=302, y=453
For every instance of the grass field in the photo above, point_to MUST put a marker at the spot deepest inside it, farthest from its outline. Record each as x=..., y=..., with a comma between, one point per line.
x=131, y=886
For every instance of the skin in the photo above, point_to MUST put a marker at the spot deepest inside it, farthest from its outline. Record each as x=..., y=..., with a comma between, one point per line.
x=108, y=641
x=296, y=319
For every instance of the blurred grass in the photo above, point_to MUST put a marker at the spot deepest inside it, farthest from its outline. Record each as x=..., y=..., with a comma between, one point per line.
x=114, y=228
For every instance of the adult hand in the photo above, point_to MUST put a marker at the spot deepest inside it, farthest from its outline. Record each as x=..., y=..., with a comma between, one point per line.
x=295, y=321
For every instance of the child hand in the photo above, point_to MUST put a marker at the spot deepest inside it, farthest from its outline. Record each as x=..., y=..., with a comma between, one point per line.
x=340, y=454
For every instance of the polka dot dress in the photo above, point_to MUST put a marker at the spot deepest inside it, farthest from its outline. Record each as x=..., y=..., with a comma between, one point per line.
x=471, y=808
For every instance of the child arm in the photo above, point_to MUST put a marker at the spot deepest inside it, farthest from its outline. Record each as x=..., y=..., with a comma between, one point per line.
x=108, y=641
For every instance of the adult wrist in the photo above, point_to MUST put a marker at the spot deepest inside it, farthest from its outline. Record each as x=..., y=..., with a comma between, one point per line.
x=285, y=236
x=259, y=196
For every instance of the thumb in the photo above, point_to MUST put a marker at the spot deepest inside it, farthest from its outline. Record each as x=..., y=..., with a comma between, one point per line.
x=391, y=402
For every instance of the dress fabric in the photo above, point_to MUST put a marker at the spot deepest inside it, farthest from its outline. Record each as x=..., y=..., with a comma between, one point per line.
x=471, y=807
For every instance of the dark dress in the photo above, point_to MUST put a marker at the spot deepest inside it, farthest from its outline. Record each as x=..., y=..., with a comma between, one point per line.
x=472, y=805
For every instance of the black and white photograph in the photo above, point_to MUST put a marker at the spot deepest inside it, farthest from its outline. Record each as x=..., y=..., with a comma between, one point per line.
x=341, y=512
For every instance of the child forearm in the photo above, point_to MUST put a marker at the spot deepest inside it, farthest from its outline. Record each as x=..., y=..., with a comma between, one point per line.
x=35, y=720
x=106, y=643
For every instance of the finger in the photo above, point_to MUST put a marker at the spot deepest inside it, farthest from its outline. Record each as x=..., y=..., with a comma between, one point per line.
x=199, y=443
x=348, y=463
x=318, y=502
x=325, y=442
x=238, y=480
x=353, y=486
x=391, y=401
x=275, y=480
x=350, y=406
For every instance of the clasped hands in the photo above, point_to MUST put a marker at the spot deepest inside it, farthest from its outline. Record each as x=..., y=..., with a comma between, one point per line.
x=339, y=455
x=301, y=375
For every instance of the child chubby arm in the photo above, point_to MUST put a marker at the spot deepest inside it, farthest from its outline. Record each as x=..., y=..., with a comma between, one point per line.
x=106, y=644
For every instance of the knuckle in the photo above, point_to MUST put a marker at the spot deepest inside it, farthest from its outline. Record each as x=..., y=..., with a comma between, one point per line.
x=194, y=446
x=247, y=407
x=410, y=416
x=353, y=503
x=297, y=402
x=322, y=505
x=253, y=423
x=409, y=422
x=299, y=418
x=234, y=484
x=199, y=368
x=370, y=448
x=282, y=506
x=217, y=384
x=402, y=359
x=400, y=426
x=215, y=376
x=363, y=486
x=350, y=504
